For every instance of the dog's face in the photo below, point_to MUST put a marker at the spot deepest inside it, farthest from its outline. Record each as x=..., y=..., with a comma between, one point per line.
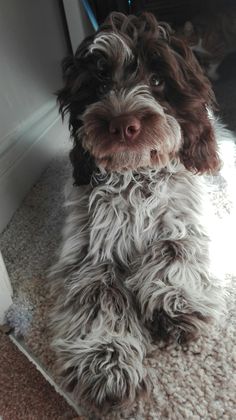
x=137, y=98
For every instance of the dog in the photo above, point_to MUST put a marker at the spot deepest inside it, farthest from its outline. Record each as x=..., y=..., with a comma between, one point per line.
x=134, y=263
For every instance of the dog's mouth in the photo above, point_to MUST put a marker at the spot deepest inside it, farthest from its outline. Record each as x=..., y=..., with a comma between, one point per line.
x=128, y=160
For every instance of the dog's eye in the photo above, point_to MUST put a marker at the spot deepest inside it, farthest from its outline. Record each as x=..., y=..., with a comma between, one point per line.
x=103, y=88
x=101, y=64
x=155, y=81
x=102, y=69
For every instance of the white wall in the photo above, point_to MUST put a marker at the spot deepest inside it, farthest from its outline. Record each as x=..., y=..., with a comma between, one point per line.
x=32, y=45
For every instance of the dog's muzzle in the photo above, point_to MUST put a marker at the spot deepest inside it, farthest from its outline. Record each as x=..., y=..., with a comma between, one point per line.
x=129, y=125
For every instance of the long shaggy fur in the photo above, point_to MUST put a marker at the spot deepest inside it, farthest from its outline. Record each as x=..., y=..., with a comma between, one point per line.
x=134, y=263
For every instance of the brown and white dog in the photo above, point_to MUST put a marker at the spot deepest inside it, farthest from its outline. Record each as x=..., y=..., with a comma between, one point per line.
x=134, y=263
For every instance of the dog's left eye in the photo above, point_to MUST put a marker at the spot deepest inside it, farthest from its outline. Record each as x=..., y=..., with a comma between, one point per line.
x=155, y=81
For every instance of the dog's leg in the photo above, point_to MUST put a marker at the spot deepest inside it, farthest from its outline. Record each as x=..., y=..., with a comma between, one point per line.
x=97, y=337
x=176, y=295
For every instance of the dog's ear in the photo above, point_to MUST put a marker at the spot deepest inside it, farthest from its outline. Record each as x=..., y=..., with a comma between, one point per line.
x=199, y=150
x=71, y=101
x=83, y=164
x=72, y=73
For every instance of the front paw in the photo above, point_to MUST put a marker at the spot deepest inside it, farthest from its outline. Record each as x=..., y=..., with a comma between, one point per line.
x=106, y=373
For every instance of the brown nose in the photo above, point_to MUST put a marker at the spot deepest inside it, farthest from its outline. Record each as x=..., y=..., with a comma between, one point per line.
x=124, y=128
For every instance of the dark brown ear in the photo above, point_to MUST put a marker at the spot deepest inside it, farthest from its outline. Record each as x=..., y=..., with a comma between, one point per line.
x=72, y=101
x=83, y=164
x=199, y=151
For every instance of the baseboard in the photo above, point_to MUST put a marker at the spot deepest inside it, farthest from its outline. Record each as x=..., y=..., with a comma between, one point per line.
x=5, y=289
x=24, y=154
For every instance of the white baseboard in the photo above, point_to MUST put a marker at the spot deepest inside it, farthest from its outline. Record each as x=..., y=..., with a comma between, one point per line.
x=5, y=290
x=24, y=154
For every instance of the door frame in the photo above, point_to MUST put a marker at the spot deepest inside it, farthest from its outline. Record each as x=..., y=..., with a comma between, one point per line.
x=78, y=24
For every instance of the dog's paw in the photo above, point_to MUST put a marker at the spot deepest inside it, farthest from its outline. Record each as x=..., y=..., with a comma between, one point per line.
x=107, y=373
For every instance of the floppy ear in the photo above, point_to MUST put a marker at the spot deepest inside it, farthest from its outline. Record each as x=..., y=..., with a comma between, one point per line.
x=199, y=150
x=83, y=164
x=72, y=102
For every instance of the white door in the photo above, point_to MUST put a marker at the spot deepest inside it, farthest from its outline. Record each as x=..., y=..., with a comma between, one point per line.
x=78, y=23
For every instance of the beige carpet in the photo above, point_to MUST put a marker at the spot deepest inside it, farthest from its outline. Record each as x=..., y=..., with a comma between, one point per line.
x=194, y=383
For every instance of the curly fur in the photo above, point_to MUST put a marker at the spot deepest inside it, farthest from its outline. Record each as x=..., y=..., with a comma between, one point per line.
x=134, y=262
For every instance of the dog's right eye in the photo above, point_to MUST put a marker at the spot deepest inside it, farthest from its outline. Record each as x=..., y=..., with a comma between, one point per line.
x=102, y=69
x=103, y=88
x=101, y=64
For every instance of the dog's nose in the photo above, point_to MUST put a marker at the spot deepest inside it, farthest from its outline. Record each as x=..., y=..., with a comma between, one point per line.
x=124, y=127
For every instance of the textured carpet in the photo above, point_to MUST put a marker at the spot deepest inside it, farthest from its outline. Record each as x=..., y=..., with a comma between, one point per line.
x=24, y=393
x=196, y=382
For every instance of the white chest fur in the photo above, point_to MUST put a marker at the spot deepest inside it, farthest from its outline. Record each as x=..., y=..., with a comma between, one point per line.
x=127, y=213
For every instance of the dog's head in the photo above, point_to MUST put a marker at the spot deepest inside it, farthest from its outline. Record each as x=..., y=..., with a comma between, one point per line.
x=136, y=97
